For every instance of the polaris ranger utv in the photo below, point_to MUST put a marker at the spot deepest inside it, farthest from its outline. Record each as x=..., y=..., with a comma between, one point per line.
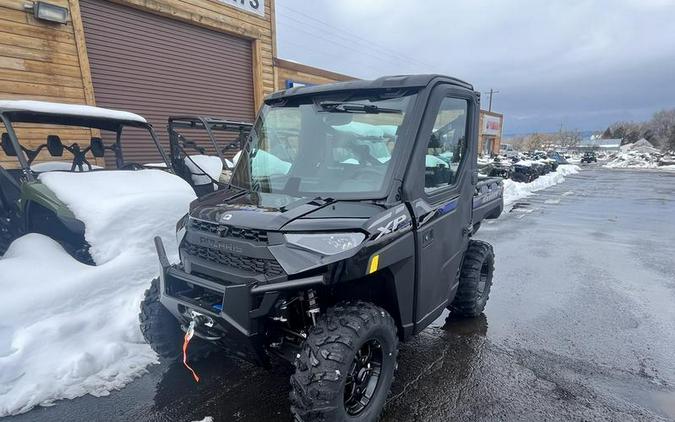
x=336, y=241
x=214, y=140
x=27, y=205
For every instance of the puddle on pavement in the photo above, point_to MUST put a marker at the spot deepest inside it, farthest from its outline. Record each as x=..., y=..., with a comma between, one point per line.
x=659, y=401
x=665, y=401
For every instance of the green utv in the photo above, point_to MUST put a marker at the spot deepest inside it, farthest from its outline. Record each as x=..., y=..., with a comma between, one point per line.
x=345, y=229
x=28, y=206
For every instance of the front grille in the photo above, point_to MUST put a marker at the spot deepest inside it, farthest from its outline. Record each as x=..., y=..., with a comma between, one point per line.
x=223, y=230
x=268, y=267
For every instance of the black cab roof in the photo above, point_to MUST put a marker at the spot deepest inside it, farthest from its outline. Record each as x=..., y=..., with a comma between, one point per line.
x=385, y=82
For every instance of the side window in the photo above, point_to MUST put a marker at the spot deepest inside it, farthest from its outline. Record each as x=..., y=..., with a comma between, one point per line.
x=447, y=145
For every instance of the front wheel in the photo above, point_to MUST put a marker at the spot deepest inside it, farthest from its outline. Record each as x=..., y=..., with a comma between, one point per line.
x=162, y=331
x=475, y=280
x=346, y=365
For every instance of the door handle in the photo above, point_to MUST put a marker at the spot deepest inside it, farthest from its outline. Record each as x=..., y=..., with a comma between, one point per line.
x=428, y=237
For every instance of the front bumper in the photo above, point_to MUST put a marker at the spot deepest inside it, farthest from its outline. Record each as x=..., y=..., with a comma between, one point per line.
x=235, y=312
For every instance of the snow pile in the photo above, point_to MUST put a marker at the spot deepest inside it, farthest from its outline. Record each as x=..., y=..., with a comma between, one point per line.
x=70, y=109
x=68, y=329
x=514, y=191
x=58, y=165
x=637, y=160
x=122, y=210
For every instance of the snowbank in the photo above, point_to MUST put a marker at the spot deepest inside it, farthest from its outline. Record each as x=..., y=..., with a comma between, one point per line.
x=68, y=329
x=514, y=191
x=57, y=165
x=71, y=109
x=636, y=159
x=122, y=210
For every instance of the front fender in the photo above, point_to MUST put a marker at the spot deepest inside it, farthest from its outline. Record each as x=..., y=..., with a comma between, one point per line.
x=36, y=192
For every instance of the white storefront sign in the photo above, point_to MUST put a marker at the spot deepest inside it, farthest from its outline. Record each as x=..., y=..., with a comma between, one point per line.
x=251, y=6
x=492, y=125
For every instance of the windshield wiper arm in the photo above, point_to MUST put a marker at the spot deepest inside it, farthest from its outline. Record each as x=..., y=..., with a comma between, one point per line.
x=357, y=108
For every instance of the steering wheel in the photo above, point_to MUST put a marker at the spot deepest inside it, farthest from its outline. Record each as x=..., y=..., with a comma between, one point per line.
x=132, y=166
x=365, y=171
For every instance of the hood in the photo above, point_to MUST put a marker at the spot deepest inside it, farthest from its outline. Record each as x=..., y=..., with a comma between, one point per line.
x=272, y=211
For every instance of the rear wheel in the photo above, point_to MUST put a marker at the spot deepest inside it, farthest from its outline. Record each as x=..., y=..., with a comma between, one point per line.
x=475, y=280
x=346, y=365
x=6, y=234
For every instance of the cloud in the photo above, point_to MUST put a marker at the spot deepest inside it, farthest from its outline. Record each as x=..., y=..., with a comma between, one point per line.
x=585, y=63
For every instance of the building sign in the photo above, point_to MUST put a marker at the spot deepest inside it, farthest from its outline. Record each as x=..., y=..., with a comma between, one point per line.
x=492, y=125
x=252, y=6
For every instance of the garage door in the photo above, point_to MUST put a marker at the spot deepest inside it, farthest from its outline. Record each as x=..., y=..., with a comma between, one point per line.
x=157, y=67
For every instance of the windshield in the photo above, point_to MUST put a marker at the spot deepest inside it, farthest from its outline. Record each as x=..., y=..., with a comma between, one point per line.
x=330, y=147
x=53, y=145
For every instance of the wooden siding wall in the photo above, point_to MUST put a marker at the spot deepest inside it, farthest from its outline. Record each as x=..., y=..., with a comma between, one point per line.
x=43, y=61
x=287, y=70
x=38, y=61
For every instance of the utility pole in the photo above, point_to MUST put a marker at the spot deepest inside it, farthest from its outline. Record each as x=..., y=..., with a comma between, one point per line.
x=491, y=93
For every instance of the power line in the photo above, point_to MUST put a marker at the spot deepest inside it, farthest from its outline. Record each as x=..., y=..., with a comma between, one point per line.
x=333, y=56
x=351, y=46
x=345, y=34
x=347, y=47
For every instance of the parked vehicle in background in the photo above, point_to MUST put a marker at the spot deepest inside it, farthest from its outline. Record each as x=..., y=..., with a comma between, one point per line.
x=500, y=167
x=26, y=204
x=667, y=160
x=558, y=157
x=523, y=171
x=331, y=261
x=589, y=157
x=507, y=150
x=201, y=149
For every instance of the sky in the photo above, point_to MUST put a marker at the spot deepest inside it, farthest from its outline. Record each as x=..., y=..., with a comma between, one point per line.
x=578, y=64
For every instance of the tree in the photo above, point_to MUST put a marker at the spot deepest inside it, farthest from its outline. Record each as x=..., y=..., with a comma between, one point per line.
x=669, y=145
x=661, y=126
x=607, y=134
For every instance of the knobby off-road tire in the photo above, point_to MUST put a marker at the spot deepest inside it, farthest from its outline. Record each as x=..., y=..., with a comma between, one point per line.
x=162, y=332
x=475, y=280
x=323, y=387
x=6, y=239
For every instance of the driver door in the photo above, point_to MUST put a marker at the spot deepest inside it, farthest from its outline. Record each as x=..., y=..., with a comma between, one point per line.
x=445, y=152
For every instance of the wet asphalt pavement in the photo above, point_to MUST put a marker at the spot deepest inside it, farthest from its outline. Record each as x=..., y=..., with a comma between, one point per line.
x=580, y=326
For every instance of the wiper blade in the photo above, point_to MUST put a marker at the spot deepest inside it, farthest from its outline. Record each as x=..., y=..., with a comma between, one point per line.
x=356, y=108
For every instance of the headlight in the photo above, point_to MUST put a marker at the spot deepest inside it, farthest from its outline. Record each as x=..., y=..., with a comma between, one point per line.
x=326, y=243
x=180, y=228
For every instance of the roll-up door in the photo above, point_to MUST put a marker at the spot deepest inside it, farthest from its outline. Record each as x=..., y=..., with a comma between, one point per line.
x=157, y=67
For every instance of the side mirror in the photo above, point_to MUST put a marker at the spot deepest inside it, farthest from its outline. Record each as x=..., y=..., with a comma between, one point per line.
x=7, y=146
x=54, y=146
x=97, y=147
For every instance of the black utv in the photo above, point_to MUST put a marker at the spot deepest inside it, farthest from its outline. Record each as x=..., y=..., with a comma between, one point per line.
x=589, y=157
x=345, y=229
x=201, y=149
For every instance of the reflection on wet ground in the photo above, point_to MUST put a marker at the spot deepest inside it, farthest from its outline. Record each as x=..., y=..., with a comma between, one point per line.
x=580, y=326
